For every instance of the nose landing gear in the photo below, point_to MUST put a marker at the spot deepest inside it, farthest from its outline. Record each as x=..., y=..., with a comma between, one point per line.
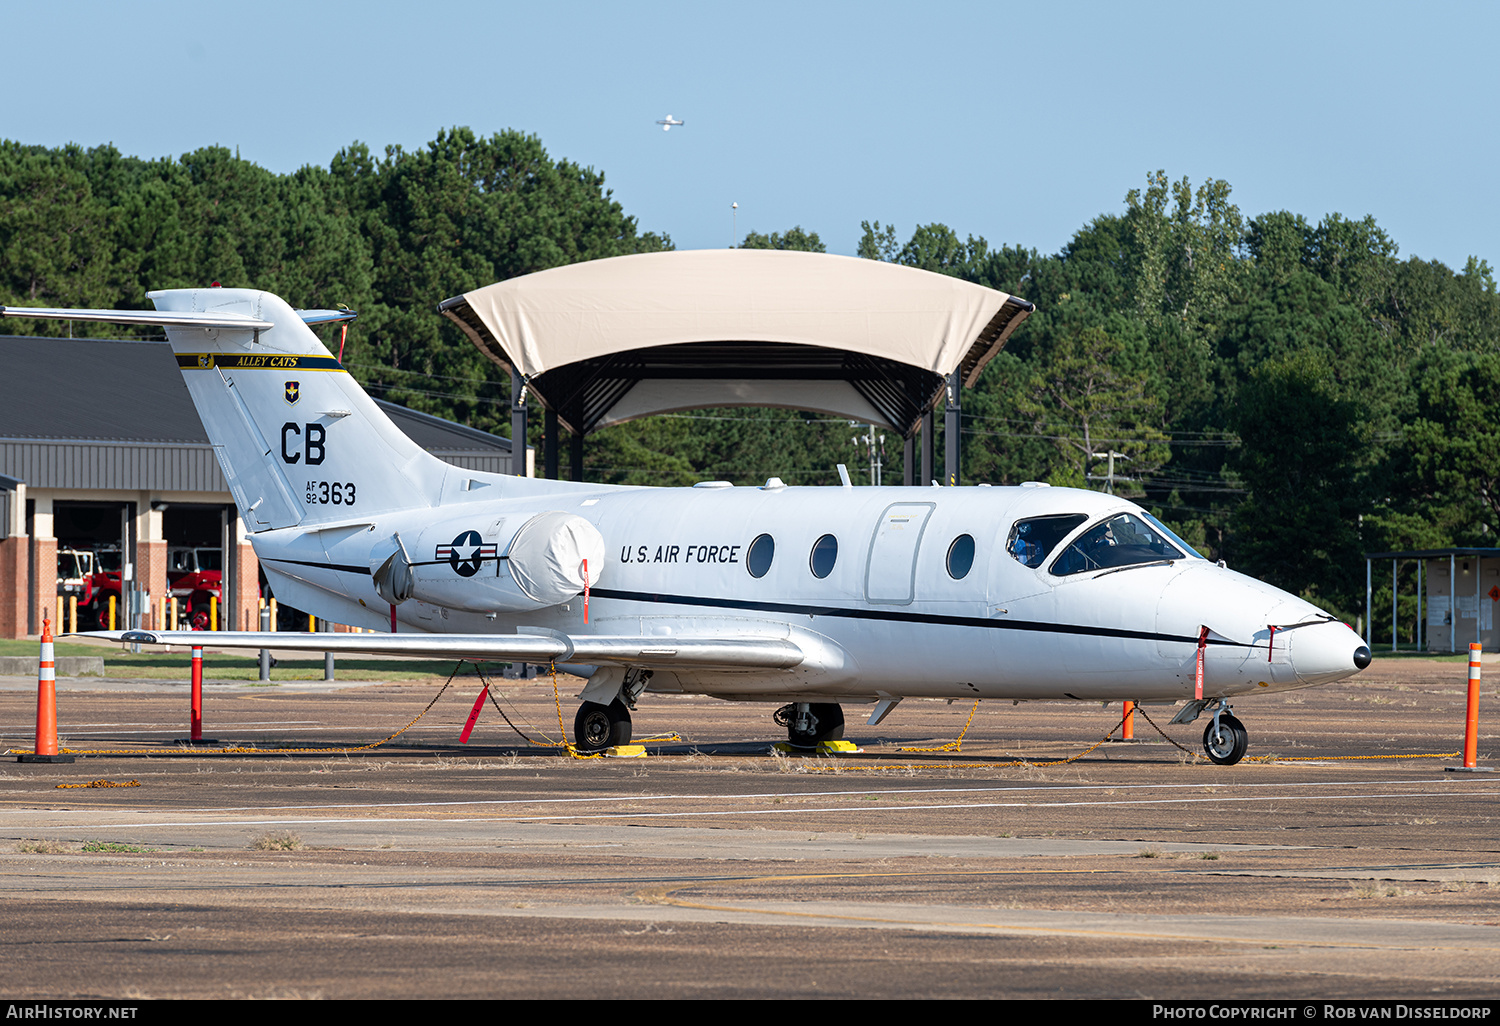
x=1225, y=738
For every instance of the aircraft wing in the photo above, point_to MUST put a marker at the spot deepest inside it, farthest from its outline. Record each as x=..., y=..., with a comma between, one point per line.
x=542, y=647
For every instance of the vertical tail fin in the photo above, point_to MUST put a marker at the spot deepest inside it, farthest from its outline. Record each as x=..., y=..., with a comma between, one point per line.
x=297, y=438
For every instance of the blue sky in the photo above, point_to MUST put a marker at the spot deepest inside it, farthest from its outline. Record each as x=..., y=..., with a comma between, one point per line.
x=1017, y=122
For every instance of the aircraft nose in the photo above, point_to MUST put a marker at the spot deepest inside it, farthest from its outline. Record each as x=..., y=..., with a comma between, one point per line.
x=1328, y=652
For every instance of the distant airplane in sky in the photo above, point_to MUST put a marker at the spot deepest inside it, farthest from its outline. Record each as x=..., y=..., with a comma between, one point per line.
x=667, y=122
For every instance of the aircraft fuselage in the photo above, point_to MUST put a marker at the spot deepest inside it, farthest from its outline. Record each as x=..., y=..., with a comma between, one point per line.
x=888, y=617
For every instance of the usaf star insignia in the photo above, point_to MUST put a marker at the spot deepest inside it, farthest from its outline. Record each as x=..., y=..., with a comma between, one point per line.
x=466, y=553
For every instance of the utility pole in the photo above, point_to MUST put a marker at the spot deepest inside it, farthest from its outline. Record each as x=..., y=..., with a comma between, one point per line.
x=875, y=446
x=1109, y=480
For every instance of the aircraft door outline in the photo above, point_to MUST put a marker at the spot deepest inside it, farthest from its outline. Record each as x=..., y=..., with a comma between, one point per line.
x=891, y=569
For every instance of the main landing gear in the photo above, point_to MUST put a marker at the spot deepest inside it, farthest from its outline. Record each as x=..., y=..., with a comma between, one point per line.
x=808, y=724
x=597, y=727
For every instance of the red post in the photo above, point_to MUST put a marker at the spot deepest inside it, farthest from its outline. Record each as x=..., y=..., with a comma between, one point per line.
x=197, y=700
x=1128, y=730
x=1471, y=719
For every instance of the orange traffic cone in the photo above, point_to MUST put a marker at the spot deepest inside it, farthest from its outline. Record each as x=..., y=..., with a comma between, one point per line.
x=46, y=705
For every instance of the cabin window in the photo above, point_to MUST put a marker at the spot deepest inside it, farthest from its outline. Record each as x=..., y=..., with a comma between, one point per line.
x=758, y=559
x=1123, y=540
x=961, y=557
x=1032, y=541
x=825, y=553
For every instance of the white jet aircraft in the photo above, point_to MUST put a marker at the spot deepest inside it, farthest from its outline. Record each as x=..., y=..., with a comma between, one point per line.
x=811, y=597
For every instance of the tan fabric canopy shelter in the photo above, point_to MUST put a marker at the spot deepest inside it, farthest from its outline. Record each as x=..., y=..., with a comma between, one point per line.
x=610, y=340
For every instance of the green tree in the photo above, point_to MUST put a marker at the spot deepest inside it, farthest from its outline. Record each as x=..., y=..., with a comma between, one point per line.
x=55, y=235
x=877, y=242
x=1186, y=257
x=1087, y=399
x=1454, y=438
x=1306, y=460
x=795, y=238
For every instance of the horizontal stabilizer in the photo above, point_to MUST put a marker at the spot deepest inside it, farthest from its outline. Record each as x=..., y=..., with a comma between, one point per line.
x=171, y=318
x=618, y=650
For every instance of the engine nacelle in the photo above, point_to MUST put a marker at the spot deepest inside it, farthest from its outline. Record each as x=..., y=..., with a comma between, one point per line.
x=511, y=564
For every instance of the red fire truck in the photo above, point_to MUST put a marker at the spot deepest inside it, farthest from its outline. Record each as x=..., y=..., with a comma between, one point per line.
x=194, y=575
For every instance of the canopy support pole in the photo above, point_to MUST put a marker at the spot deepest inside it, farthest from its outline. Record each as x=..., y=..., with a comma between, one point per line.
x=517, y=424
x=549, y=444
x=952, y=432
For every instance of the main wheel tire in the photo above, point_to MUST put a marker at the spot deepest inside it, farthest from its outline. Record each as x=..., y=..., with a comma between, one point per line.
x=597, y=727
x=828, y=725
x=1226, y=746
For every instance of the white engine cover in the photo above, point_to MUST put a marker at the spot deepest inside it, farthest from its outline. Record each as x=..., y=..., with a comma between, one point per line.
x=509, y=564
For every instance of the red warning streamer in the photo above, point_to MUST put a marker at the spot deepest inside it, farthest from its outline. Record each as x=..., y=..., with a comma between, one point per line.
x=463, y=738
x=1198, y=677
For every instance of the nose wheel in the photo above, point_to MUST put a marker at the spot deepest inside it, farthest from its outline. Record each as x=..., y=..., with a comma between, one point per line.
x=1225, y=739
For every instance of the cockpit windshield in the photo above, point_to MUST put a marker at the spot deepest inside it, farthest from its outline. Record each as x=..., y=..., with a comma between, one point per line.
x=1123, y=540
x=1031, y=541
x=1172, y=536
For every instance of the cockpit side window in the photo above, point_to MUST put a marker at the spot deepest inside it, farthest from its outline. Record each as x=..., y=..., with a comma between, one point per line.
x=1122, y=540
x=1031, y=541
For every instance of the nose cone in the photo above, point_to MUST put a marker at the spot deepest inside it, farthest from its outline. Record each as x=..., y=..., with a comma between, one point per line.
x=1328, y=652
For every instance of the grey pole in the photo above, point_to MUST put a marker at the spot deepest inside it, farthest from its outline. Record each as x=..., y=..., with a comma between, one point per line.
x=327, y=656
x=909, y=461
x=1420, y=596
x=1393, y=604
x=265, y=653
x=952, y=432
x=1452, y=602
x=1478, y=597
x=929, y=447
x=1369, y=608
x=517, y=424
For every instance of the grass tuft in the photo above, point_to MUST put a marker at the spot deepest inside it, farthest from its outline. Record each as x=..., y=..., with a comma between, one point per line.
x=113, y=848
x=284, y=841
